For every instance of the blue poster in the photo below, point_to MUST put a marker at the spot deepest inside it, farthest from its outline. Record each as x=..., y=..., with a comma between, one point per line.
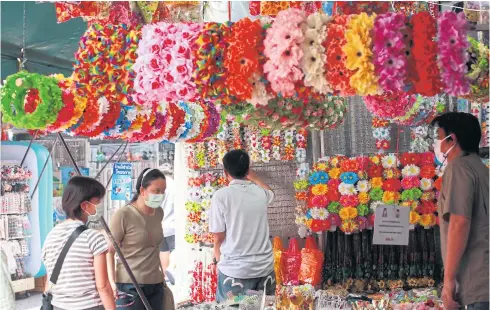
x=122, y=183
x=68, y=172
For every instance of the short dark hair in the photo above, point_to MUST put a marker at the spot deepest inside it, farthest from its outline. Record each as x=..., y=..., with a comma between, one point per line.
x=464, y=126
x=154, y=174
x=78, y=190
x=236, y=164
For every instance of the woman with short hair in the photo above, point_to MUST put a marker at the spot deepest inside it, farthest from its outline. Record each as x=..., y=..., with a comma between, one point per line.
x=137, y=228
x=82, y=283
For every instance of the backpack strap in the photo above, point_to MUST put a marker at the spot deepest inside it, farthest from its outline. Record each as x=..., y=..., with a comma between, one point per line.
x=59, y=262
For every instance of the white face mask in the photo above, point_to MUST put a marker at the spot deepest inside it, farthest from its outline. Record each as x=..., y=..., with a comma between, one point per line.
x=441, y=157
x=95, y=214
x=154, y=200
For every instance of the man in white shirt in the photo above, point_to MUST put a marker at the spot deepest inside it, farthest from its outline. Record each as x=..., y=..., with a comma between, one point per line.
x=238, y=220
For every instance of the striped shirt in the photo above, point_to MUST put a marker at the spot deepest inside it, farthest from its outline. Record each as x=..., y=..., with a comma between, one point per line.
x=75, y=289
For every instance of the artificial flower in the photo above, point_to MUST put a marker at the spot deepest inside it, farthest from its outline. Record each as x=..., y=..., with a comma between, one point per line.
x=333, y=194
x=300, y=196
x=363, y=186
x=410, y=182
x=318, y=177
x=376, y=182
x=349, y=177
x=348, y=214
x=428, y=196
x=319, y=213
x=392, y=173
x=300, y=185
x=347, y=189
x=389, y=161
x=334, y=173
x=333, y=207
x=427, y=220
x=349, y=165
x=428, y=171
x=319, y=189
x=426, y=184
x=412, y=194
x=349, y=226
x=319, y=225
x=392, y=185
x=410, y=171
x=348, y=201
x=391, y=197
x=410, y=159
x=363, y=210
x=319, y=201
x=363, y=198
x=414, y=217
x=374, y=205
x=321, y=166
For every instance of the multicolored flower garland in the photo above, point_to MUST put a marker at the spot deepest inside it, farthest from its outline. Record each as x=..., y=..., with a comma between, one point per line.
x=345, y=192
x=282, y=48
x=478, y=76
x=30, y=115
x=165, y=63
x=359, y=55
x=453, y=43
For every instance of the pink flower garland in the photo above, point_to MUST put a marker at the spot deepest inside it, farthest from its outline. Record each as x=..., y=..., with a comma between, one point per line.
x=282, y=48
x=164, y=65
x=453, y=44
x=388, y=106
x=389, y=59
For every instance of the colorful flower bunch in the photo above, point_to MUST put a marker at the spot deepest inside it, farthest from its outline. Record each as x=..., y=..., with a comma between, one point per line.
x=478, y=76
x=389, y=105
x=242, y=57
x=344, y=193
x=381, y=133
x=453, y=56
x=337, y=75
x=201, y=190
x=282, y=48
x=314, y=58
x=165, y=63
x=359, y=56
x=389, y=52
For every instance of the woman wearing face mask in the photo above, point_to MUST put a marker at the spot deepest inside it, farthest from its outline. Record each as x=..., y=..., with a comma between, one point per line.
x=82, y=282
x=137, y=228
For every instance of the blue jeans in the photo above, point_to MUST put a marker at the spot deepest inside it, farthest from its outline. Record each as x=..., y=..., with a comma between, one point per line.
x=479, y=306
x=129, y=299
x=229, y=287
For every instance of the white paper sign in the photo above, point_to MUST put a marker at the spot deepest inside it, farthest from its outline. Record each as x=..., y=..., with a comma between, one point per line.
x=391, y=225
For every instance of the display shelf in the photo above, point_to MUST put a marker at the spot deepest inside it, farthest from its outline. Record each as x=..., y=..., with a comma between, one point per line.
x=23, y=285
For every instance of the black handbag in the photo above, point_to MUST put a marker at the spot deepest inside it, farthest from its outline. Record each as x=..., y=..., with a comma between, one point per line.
x=47, y=296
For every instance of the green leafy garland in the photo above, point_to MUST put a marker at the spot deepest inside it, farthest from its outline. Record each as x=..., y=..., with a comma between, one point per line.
x=13, y=93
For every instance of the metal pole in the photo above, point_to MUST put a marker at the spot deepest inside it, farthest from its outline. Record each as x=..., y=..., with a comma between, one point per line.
x=108, y=161
x=44, y=168
x=29, y=148
x=69, y=154
x=118, y=159
x=111, y=237
x=125, y=263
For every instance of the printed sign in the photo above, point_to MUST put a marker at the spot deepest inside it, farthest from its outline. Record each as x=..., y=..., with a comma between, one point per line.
x=68, y=172
x=122, y=182
x=391, y=225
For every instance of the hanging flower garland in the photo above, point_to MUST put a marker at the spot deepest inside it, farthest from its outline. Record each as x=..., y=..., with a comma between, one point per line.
x=142, y=120
x=453, y=43
x=325, y=112
x=92, y=116
x=381, y=133
x=38, y=115
x=242, y=57
x=122, y=124
x=314, y=58
x=359, y=55
x=420, y=112
x=337, y=75
x=424, y=52
x=389, y=105
x=284, y=113
x=165, y=63
x=66, y=115
x=389, y=58
x=478, y=76
x=282, y=48
x=210, y=74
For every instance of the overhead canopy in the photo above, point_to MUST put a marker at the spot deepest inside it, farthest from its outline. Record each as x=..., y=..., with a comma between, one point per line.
x=49, y=46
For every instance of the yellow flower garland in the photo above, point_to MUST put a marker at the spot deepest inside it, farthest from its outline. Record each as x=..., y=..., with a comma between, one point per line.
x=358, y=54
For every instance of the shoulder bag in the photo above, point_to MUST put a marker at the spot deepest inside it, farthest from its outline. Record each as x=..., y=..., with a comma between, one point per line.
x=47, y=296
x=168, y=297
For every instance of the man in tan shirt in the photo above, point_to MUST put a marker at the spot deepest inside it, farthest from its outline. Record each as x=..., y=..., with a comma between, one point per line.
x=463, y=212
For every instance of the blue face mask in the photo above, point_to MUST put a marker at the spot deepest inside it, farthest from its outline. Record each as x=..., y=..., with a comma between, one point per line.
x=154, y=200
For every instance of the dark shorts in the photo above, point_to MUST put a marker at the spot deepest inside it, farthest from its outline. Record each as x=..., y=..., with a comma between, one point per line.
x=168, y=244
x=130, y=300
x=229, y=287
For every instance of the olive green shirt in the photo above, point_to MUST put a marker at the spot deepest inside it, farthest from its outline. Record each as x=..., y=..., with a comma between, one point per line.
x=140, y=244
x=465, y=192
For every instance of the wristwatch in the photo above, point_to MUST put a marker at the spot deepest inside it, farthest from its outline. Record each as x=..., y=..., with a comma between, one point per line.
x=215, y=261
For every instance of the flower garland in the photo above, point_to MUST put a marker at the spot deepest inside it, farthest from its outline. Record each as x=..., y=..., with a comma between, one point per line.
x=66, y=115
x=165, y=63
x=210, y=75
x=31, y=114
x=381, y=133
x=389, y=105
x=201, y=190
x=282, y=48
x=453, y=43
x=122, y=125
x=314, y=58
x=337, y=75
x=242, y=57
x=359, y=55
x=424, y=52
x=389, y=59
x=479, y=55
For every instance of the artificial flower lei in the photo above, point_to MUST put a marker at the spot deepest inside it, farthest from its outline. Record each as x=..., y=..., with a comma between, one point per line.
x=313, y=61
x=69, y=110
x=282, y=48
x=389, y=52
x=453, y=43
x=165, y=63
x=359, y=55
x=389, y=105
x=478, y=76
x=30, y=112
x=381, y=133
x=337, y=75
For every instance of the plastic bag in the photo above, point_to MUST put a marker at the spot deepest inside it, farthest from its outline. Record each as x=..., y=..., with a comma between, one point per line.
x=310, y=271
x=291, y=263
x=277, y=250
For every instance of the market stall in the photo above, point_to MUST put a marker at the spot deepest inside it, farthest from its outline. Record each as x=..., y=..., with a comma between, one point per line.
x=332, y=101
